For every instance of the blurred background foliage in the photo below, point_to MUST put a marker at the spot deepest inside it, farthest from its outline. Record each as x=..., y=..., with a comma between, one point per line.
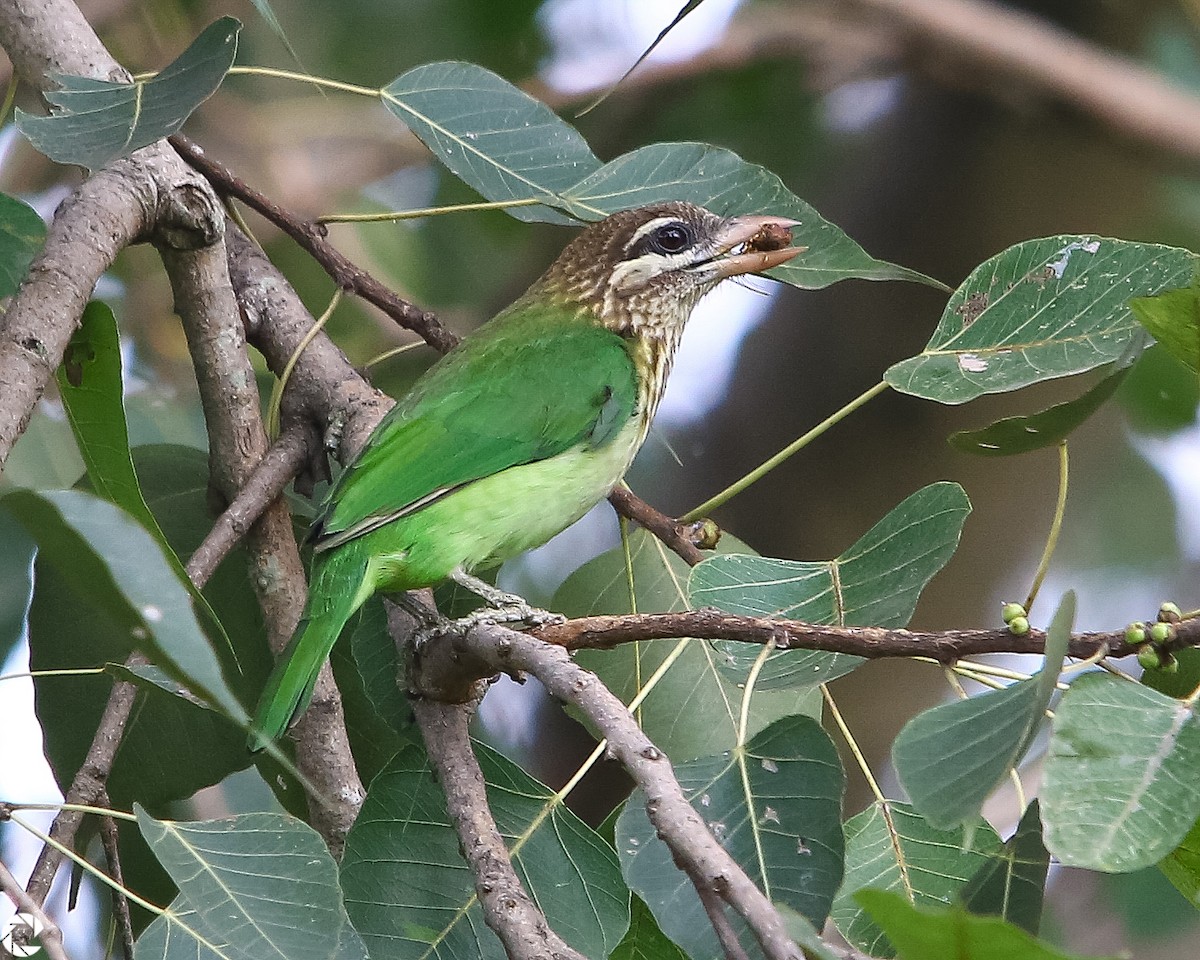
x=933, y=172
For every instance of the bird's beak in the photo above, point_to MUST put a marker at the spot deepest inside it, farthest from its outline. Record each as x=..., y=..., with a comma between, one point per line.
x=752, y=244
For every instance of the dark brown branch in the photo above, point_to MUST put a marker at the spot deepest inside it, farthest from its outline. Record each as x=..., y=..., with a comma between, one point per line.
x=311, y=236
x=604, y=632
x=50, y=936
x=691, y=843
x=680, y=537
x=507, y=907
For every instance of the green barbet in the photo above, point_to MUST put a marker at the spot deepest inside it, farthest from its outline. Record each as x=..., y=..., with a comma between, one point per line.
x=519, y=430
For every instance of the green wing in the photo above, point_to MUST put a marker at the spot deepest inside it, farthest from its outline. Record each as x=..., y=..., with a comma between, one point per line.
x=526, y=387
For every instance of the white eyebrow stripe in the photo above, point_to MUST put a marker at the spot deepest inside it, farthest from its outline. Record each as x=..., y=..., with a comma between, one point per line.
x=649, y=227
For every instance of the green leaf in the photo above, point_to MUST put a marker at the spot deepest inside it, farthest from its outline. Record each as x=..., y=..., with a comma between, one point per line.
x=1120, y=790
x=951, y=757
x=367, y=669
x=1183, y=681
x=1051, y=426
x=1173, y=319
x=22, y=233
x=1182, y=865
x=259, y=885
x=187, y=746
x=694, y=708
x=16, y=582
x=644, y=940
x=95, y=121
x=876, y=582
x=923, y=933
x=511, y=147
x=1012, y=885
x=1160, y=394
x=113, y=562
x=92, y=388
x=1041, y=309
x=727, y=185
x=410, y=893
x=889, y=847
x=492, y=135
x=775, y=806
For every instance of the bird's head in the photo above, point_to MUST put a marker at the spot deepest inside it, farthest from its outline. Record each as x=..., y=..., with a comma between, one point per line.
x=641, y=271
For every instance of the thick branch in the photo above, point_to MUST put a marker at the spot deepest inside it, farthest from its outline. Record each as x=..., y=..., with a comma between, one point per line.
x=693, y=846
x=1009, y=49
x=110, y=211
x=507, y=908
x=604, y=632
x=325, y=390
x=237, y=443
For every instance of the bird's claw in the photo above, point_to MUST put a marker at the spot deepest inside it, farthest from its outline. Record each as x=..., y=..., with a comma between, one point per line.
x=515, y=613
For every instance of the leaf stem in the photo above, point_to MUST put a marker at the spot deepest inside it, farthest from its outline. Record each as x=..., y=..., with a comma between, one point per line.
x=1055, y=527
x=305, y=78
x=751, y=679
x=277, y=391
x=767, y=466
x=428, y=211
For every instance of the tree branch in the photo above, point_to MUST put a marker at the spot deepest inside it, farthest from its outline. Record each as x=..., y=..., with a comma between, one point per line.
x=605, y=632
x=50, y=936
x=311, y=237
x=693, y=846
x=237, y=443
x=507, y=908
x=267, y=482
x=684, y=538
x=89, y=783
x=1005, y=49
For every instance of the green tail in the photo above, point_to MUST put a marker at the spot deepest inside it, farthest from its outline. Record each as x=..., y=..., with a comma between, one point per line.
x=334, y=593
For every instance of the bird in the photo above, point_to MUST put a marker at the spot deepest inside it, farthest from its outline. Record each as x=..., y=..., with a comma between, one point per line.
x=520, y=429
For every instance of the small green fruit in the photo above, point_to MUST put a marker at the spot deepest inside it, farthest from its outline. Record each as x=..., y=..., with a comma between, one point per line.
x=1161, y=632
x=1149, y=657
x=1170, y=664
x=1169, y=612
x=1011, y=611
x=1018, y=626
x=1135, y=633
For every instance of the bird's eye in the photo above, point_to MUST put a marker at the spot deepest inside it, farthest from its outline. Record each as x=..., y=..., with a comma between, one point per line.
x=672, y=238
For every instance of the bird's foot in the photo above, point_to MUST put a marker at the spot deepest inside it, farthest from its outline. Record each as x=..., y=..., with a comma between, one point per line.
x=515, y=613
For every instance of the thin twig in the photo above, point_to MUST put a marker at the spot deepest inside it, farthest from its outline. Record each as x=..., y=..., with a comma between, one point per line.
x=508, y=909
x=90, y=782
x=273, y=473
x=714, y=907
x=604, y=632
x=677, y=536
x=50, y=935
x=312, y=237
x=112, y=856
